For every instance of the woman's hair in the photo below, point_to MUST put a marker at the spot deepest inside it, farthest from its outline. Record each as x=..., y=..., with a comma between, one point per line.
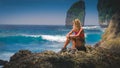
x=77, y=23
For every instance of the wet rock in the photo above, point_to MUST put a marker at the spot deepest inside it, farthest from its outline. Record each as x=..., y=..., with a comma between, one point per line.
x=3, y=62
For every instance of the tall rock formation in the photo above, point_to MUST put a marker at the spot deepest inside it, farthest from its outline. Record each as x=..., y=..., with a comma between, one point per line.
x=106, y=9
x=77, y=10
x=111, y=37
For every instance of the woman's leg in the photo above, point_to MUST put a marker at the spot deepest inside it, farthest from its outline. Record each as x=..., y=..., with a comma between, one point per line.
x=80, y=45
x=66, y=42
x=73, y=43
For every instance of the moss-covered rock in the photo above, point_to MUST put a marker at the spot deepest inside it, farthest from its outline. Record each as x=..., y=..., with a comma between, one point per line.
x=106, y=9
x=77, y=10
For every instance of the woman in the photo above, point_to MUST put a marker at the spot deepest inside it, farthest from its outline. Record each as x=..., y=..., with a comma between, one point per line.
x=76, y=35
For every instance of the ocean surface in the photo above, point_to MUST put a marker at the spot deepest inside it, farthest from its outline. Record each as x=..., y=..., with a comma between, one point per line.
x=38, y=38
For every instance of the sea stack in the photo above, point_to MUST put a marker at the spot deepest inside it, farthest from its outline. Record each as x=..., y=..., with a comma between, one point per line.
x=77, y=10
x=106, y=9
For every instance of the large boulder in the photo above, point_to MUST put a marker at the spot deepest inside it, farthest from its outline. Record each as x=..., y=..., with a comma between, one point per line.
x=20, y=54
x=77, y=10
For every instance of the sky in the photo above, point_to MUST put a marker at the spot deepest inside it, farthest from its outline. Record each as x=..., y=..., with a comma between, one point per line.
x=43, y=12
x=91, y=17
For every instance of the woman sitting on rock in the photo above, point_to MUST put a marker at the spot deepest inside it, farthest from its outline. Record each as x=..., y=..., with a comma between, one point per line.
x=76, y=35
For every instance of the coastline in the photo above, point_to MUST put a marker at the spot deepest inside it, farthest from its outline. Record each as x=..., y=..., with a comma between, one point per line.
x=54, y=41
x=105, y=55
x=93, y=58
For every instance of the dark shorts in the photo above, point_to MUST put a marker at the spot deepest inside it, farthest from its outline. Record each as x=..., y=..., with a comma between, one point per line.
x=81, y=48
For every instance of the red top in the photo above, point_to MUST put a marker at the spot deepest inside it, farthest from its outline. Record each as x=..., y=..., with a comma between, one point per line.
x=81, y=34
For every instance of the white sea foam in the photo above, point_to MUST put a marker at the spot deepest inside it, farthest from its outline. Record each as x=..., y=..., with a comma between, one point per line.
x=27, y=35
x=56, y=38
x=6, y=56
x=91, y=27
x=1, y=66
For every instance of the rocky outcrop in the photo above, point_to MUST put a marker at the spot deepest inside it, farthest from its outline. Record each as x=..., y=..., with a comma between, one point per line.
x=111, y=37
x=92, y=58
x=106, y=9
x=77, y=10
x=3, y=62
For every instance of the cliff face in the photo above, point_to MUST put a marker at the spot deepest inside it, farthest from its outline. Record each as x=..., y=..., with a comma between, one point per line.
x=111, y=37
x=77, y=10
x=106, y=9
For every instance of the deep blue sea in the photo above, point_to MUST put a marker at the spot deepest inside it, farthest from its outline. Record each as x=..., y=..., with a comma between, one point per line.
x=38, y=38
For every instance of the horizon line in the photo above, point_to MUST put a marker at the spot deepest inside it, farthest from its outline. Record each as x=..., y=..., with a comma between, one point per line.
x=45, y=24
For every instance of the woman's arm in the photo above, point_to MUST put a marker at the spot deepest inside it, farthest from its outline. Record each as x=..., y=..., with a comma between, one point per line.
x=75, y=36
x=69, y=33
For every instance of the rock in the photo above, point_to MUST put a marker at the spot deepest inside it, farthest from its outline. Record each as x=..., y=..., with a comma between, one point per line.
x=113, y=30
x=77, y=10
x=111, y=37
x=20, y=54
x=106, y=9
x=2, y=62
x=92, y=58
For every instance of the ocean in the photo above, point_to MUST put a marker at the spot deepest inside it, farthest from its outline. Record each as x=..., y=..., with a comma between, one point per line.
x=38, y=38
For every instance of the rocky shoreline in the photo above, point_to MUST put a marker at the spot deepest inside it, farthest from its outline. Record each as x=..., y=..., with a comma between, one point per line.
x=92, y=58
x=106, y=54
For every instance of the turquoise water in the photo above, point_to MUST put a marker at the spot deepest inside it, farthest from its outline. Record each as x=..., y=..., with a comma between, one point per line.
x=38, y=38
